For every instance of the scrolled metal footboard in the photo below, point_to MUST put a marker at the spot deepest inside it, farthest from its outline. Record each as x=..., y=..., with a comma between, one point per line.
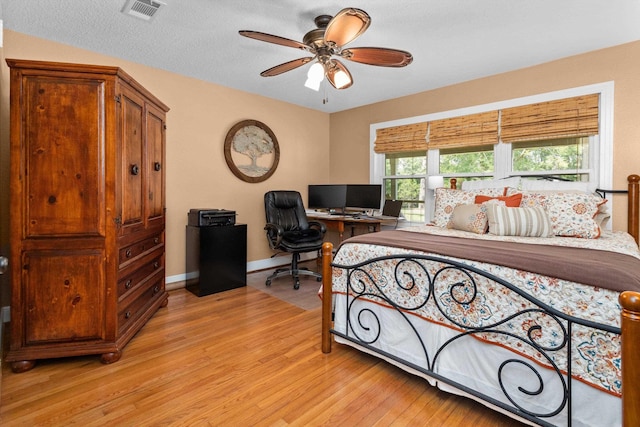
x=455, y=295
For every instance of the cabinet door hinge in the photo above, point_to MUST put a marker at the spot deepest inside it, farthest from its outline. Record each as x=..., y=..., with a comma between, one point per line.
x=117, y=98
x=117, y=220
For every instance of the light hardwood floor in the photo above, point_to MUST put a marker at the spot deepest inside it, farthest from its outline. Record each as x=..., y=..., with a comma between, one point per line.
x=236, y=358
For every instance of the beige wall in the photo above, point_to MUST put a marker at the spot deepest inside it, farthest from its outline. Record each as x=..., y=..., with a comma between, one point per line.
x=350, y=129
x=315, y=147
x=200, y=117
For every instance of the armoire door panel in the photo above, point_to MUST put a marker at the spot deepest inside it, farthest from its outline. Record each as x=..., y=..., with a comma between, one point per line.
x=132, y=162
x=64, y=186
x=64, y=296
x=155, y=155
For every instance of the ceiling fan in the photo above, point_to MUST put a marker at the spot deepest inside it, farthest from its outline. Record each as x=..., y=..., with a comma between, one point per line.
x=326, y=43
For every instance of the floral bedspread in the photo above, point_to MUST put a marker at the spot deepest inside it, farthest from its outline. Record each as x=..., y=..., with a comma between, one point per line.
x=595, y=353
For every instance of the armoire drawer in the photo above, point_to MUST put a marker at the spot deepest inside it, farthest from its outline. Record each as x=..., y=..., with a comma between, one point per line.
x=132, y=309
x=128, y=253
x=133, y=280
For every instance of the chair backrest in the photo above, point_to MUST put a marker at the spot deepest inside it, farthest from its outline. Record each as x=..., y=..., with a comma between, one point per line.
x=286, y=209
x=392, y=208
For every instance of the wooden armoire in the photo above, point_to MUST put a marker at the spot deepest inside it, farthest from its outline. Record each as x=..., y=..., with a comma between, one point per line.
x=87, y=214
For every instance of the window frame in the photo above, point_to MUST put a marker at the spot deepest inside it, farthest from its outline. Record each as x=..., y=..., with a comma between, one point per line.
x=600, y=146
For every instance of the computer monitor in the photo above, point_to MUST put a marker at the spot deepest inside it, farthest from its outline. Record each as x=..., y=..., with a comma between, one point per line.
x=364, y=196
x=327, y=196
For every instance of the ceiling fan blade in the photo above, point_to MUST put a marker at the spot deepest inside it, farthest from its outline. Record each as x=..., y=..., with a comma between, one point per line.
x=378, y=56
x=270, y=38
x=338, y=75
x=348, y=24
x=287, y=66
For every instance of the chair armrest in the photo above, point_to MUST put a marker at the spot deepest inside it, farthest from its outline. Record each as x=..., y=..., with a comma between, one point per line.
x=319, y=225
x=274, y=234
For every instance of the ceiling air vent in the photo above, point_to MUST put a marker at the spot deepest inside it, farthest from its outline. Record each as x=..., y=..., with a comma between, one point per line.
x=142, y=9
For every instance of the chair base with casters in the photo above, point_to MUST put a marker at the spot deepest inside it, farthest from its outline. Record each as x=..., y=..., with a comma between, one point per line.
x=293, y=271
x=289, y=230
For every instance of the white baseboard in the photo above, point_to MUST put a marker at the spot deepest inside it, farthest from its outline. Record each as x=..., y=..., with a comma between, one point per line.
x=5, y=314
x=177, y=281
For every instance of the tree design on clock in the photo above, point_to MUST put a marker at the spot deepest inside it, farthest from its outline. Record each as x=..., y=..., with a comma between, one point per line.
x=251, y=150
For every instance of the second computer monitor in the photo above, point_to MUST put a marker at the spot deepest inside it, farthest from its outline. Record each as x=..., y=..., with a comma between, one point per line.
x=364, y=196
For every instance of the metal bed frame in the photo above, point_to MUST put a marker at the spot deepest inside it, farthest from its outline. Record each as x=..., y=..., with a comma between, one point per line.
x=463, y=290
x=461, y=286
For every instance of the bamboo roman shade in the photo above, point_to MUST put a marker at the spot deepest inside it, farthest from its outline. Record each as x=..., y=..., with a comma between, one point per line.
x=404, y=138
x=465, y=131
x=568, y=117
x=561, y=118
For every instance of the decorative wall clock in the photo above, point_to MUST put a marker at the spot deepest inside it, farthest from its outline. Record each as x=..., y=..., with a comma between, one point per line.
x=251, y=150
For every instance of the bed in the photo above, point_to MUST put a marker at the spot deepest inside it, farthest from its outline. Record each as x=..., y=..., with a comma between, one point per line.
x=543, y=329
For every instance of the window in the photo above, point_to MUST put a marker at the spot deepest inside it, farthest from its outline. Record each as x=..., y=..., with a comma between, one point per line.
x=472, y=163
x=404, y=179
x=527, y=144
x=565, y=157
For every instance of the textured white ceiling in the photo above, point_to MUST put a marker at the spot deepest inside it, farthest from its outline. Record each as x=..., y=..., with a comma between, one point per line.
x=451, y=40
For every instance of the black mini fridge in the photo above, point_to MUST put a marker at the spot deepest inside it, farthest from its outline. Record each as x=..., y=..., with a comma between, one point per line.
x=216, y=258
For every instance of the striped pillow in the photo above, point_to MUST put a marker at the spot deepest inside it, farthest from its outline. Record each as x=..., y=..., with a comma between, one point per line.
x=527, y=222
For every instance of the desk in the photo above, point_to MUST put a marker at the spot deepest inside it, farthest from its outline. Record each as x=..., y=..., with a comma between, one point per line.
x=342, y=222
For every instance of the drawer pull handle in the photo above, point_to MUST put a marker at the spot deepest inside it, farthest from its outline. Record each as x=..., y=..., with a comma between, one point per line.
x=156, y=166
x=127, y=315
x=128, y=284
x=156, y=240
x=135, y=169
x=128, y=253
x=156, y=289
x=156, y=264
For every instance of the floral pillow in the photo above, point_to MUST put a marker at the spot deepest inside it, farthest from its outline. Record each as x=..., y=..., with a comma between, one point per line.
x=530, y=199
x=571, y=214
x=447, y=199
x=471, y=218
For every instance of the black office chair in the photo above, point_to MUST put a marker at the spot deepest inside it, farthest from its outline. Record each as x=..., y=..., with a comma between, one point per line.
x=289, y=230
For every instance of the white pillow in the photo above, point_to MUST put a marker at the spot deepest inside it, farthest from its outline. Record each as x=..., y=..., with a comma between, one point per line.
x=544, y=185
x=513, y=181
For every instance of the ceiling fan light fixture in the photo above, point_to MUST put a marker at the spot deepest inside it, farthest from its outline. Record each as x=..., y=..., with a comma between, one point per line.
x=338, y=75
x=313, y=84
x=316, y=72
x=315, y=75
x=341, y=79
